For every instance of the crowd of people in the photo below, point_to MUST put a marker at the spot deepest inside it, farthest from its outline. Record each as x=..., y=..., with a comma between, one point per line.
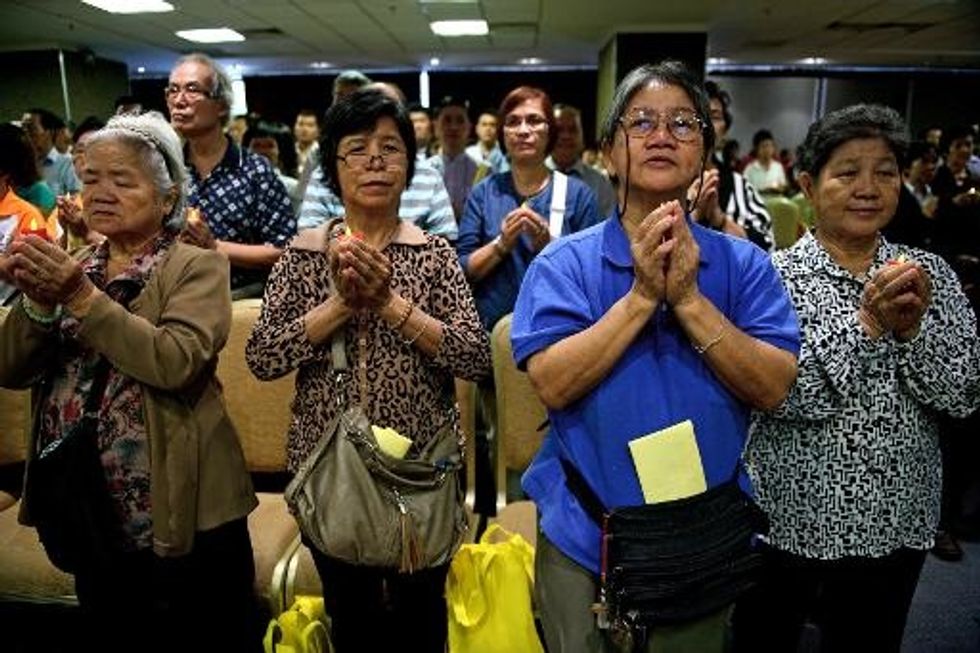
x=834, y=382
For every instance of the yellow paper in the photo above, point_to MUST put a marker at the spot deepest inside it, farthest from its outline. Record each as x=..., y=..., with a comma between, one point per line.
x=668, y=463
x=391, y=441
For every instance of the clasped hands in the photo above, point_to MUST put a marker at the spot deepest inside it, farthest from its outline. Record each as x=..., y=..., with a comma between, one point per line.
x=895, y=299
x=665, y=257
x=44, y=272
x=524, y=220
x=361, y=274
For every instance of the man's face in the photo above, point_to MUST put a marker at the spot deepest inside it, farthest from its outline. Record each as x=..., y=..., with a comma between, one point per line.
x=40, y=138
x=486, y=129
x=306, y=130
x=569, y=143
x=423, y=127
x=193, y=109
x=453, y=128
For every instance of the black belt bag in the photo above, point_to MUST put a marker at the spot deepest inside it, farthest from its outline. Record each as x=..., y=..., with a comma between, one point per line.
x=675, y=561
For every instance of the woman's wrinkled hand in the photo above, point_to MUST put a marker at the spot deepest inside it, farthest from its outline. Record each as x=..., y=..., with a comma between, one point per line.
x=362, y=274
x=707, y=211
x=682, y=268
x=196, y=232
x=651, y=248
x=511, y=228
x=70, y=216
x=897, y=297
x=45, y=273
x=536, y=227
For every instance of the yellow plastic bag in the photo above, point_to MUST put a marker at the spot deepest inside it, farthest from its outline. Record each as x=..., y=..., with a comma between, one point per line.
x=489, y=594
x=300, y=629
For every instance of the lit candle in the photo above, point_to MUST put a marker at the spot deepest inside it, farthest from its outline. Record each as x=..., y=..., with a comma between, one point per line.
x=194, y=215
x=36, y=228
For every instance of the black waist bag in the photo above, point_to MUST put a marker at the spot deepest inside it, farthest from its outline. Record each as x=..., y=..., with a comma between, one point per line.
x=68, y=497
x=676, y=561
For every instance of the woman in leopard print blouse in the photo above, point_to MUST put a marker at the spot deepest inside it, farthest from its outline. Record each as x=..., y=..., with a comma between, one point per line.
x=408, y=319
x=848, y=467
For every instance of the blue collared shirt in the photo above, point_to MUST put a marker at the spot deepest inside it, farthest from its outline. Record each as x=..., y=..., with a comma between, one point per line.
x=244, y=202
x=658, y=381
x=488, y=204
x=59, y=173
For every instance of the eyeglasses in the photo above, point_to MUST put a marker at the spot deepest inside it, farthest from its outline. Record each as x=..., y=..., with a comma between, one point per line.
x=192, y=91
x=683, y=124
x=533, y=121
x=391, y=156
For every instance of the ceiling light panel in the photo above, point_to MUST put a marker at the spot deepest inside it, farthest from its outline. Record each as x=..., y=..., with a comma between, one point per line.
x=131, y=6
x=450, y=28
x=211, y=35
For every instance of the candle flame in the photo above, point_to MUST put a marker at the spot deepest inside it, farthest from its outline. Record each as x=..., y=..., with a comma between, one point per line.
x=34, y=225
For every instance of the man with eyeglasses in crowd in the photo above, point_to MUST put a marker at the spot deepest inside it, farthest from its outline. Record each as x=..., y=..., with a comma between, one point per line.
x=425, y=202
x=41, y=127
x=245, y=211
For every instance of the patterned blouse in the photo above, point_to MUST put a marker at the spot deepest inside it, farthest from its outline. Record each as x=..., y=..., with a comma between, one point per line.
x=408, y=390
x=849, y=464
x=122, y=435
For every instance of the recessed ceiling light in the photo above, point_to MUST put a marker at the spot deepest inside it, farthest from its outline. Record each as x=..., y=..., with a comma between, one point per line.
x=529, y=61
x=215, y=35
x=714, y=61
x=131, y=6
x=459, y=27
x=141, y=69
x=434, y=61
x=321, y=64
x=813, y=61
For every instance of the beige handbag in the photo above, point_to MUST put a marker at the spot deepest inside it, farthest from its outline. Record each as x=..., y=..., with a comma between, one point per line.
x=358, y=504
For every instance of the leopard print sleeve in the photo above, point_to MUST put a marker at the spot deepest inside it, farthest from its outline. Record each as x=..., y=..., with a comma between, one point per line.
x=278, y=342
x=465, y=348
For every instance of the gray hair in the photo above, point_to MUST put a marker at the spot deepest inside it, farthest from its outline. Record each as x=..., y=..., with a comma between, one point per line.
x=857, y=121
x=672, y=73
x=159, y=149
x=221, y=89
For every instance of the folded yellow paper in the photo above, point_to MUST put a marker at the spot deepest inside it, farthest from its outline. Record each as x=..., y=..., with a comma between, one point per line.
x=391, y=441
x=668, y=463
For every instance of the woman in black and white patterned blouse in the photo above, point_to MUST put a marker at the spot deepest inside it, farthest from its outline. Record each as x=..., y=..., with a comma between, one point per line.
x=848, y=466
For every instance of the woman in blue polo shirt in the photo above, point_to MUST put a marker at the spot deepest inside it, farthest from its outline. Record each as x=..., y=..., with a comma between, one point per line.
x=635, y=325
x=510, y=217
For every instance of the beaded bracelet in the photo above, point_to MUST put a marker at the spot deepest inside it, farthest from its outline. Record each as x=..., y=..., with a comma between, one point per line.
x=38, y=317
x=711, y=343
x=403, y=318
x=425, y=325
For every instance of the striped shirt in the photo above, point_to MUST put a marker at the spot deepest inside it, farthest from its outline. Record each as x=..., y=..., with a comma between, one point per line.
x=747, y=209
x=424, y=203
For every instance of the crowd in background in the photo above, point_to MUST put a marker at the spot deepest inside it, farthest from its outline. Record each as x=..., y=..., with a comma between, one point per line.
x=524, y=204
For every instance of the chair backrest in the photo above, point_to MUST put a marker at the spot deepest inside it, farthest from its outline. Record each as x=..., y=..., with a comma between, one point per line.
x=805, y=208
x=519, y=411
x=260, y=410
x=785, y=221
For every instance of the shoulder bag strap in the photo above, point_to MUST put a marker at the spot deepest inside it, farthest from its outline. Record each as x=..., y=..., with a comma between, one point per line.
x=586, y=496
x=558, y=192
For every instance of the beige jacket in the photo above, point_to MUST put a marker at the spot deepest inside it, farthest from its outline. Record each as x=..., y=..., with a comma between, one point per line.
x=169, y=343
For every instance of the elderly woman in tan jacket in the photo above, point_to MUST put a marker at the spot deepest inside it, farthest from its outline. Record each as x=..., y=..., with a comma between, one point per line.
x=125, y=338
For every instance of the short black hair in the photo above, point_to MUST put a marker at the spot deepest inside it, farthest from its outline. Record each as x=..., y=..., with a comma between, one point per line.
x=90, y=124
x=672, y=73
x=715, y=92
x=919, y=150
x=850, y=123
x=360, y=112
x=955, y=133
x=452, y=101
x=49, y=121
x=282, y=135
x=17, y=156
x=760, y=136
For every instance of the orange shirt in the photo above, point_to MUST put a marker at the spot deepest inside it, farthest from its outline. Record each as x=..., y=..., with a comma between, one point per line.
x=26, y=214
